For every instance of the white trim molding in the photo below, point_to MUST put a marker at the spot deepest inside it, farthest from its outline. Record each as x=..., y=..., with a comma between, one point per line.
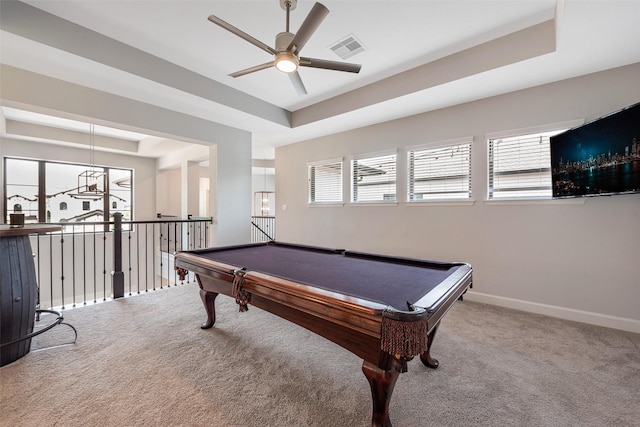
x=621, y=323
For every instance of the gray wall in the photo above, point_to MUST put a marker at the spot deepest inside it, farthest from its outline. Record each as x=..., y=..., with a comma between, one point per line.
x=574, y=259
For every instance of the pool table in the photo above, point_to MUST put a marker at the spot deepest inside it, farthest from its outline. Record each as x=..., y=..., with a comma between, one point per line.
x=384, y=309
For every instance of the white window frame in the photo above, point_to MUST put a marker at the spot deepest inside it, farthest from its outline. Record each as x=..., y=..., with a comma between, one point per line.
x=354, y=186
x=445, y=196
x=312, y=198
x=545, y=131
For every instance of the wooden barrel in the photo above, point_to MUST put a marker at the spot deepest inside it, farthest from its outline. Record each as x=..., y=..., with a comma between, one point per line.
x=18, y=289
x=17, y=296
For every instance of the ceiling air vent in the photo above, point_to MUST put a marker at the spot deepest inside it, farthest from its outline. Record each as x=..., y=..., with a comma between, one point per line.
x=347, y=47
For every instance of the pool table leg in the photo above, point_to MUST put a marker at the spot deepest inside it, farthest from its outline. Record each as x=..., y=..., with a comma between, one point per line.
x=382, y=381
x=425, y=357
x=208, y=299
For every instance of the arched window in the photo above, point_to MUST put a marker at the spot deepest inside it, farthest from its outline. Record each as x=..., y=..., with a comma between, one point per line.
x=63, y=206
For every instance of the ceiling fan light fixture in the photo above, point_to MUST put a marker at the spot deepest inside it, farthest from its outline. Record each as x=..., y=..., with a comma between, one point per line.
x=286, y=62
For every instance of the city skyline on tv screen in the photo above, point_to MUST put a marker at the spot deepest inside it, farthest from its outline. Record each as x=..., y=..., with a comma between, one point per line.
x=600, y=157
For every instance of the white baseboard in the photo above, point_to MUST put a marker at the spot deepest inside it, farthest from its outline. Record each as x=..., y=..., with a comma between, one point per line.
x=598, y=319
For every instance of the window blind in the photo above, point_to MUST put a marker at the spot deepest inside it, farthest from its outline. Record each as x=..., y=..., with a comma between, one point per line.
x=374, y=179
x=520, y=167
x=439, y=173
x=325, y=183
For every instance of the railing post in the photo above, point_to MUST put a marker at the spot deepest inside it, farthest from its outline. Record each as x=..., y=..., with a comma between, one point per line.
x=117, y=275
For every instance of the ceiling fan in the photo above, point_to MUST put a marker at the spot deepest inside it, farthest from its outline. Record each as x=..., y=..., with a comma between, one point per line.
x=288, y=46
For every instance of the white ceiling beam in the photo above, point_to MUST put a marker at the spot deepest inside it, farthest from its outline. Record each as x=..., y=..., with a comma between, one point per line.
x=66, y=136
x=21, y=88
x=37, y=25
x=531, y=42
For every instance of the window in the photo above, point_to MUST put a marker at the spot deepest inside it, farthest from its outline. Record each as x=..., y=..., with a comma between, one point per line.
x=442, y=173
x=373, y=179
x=60, y=192
x=520, y=166
x=325, y=182
x=21, y=188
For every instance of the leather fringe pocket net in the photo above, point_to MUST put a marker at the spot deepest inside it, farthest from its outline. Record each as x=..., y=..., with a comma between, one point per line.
x=243, y=298
x=403, y=339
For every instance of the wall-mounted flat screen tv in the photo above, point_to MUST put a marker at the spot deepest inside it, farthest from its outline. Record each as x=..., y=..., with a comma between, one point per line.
x=601, y=157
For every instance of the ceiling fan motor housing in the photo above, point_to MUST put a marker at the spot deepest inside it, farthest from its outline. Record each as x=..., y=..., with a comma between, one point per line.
x=285, y=60
x=283, y=40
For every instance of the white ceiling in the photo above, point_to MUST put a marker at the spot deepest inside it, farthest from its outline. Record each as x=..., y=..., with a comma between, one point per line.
x=420, y=55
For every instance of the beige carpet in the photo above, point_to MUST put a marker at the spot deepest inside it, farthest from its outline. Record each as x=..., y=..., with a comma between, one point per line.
x=144, y=361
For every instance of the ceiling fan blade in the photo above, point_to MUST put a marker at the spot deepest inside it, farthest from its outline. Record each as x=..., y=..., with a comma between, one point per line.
x=330, y=65
x=241, y=34
x=297, y=83
x=252, y=69
x=308, y=27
